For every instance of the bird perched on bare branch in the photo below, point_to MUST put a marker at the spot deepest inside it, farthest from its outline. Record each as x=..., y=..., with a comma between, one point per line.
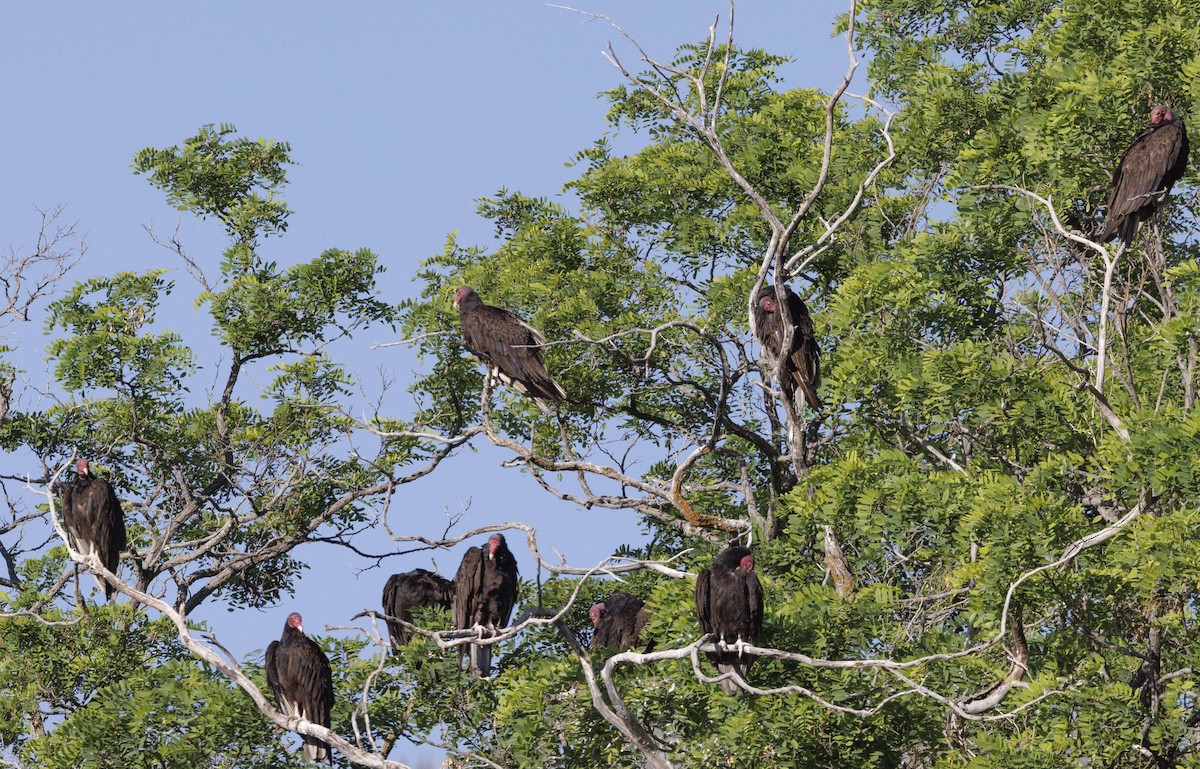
x=729, y=602
x=509, y=345
x=1147, y=171
x=485, y=590
x=299, y=675
x=92, y=517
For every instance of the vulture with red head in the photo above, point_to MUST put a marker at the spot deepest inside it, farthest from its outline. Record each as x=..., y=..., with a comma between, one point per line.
x=802, y=363
x=92, y=517
x=299, y=676
x=485, y=590
x=413, y=588
x=618, y=620
x=729, y=602
x=1146, y=173
x=509, y=345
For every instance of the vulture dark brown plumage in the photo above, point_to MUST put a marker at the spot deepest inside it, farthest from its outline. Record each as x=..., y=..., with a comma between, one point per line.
x=618, y=620
x=92, y=517
x=485, y=590
x=729, y=602
x=403, y=592
x=509, y=345
x=1147, y=171
x=299, y=676
x=802, y=365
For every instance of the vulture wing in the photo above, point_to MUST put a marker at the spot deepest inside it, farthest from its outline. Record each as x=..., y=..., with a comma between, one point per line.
x=272, y=662
x=469, y=607
x=468, y=587
x=703, y=606
x=414, y=588
x=621, y=623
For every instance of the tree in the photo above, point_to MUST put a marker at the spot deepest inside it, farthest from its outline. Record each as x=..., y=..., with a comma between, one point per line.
x=978, y=552
x=216, y=495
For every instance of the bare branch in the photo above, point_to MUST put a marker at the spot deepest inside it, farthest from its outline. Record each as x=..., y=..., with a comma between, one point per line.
x=26, y=277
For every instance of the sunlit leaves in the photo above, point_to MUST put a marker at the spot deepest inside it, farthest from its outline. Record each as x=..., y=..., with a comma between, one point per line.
x=265, y=310
x=216, y=173
x=109, y=343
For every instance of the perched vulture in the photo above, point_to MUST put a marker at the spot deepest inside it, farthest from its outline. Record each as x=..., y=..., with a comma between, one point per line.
x=485, y=590
x=802, y=367
x=509, y=345
x=413, y=588
x=1146, y=173
x=299, y=676
x=618, y=620
x=729, y=601
x=91, y=514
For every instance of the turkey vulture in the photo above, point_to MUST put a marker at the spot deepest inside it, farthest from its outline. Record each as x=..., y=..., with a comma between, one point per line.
x=1146, y=173
x=729, y=601
x=299, y=676
x=802, y=368
x=508, y=345
x=618, y=620
x=413, y=588
x=485, y=590
x=91, y=514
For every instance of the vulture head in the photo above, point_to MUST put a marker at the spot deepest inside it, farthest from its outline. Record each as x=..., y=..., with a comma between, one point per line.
x=496, y=541
x=766, y=299
x=81, y=468
x=294, y=620
x=466, y=294
x=736, y=557
x=596, y=612
x=1161, y=114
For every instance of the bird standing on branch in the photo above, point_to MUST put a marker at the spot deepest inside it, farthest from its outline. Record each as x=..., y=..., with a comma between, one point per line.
x=510, y=347
x=1147, y=171
x=618, y=620
x=729, y=602
x=403, y=592
x=485, y=590
x=92, y=517
x=299, y=675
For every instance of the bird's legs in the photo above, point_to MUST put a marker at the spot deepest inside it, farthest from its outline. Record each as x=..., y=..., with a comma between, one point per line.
x=740, y=647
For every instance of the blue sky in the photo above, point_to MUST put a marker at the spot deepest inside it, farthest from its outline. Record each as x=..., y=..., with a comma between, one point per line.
x=400, y=116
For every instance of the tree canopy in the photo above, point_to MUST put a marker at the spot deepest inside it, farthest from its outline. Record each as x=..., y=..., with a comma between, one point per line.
x=979, y=551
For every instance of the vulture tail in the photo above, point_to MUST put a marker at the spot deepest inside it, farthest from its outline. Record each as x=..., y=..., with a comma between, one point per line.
x=728, y=685
x=316, y=751
x=538, y=391
x=481, y=660
x=810, y=397
x=1125, y=229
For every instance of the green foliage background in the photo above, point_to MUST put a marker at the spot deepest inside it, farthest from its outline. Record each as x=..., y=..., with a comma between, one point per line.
x=964, y=443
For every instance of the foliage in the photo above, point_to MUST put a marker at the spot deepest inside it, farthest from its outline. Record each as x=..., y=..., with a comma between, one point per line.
x=217, y=491
x=1019, y=526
